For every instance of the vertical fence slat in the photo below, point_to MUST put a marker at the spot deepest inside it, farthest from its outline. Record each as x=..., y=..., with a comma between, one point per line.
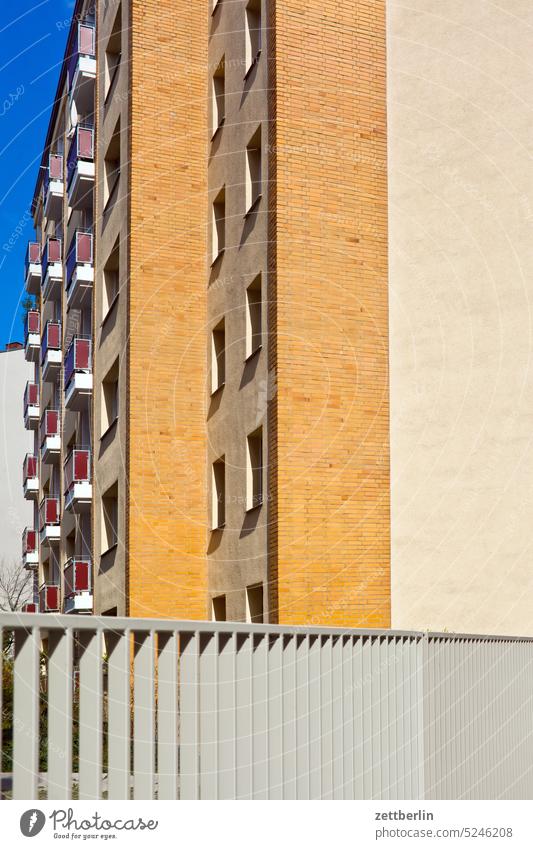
x=60, y=683
x=119, y=716
x=347, y=718
x=289, y=717
x=244, y=707
x=384, y=648
x=337, y=719
x=225, y=773
x=315, y=756
x=326, y=717
x=358, y=735
x=26, y=714
x=275, y=717
x=208, y=716
x=167, y=715
x=143, y=716
x=259, y=693
x=189, y=722
x=90, y=715
x=302, y=717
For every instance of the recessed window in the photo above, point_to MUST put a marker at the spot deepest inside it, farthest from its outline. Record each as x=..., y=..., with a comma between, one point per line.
x=109, y=518
x=218, y=608
x=218, y=494
x=218, y=107
x=218, y=228
x=110, y=398
x=252, y=32
x=254, y=469
x=113, y=53
x=253, y=169
x=218, y=356
x=214, y=4
x=111, y=278
x=112, y=167
x=254, y=306
x=254, y=603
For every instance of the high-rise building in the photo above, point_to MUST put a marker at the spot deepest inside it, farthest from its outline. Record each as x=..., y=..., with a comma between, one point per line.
x=210, y=335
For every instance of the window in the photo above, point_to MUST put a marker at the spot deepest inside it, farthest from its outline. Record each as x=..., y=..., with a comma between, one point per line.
x=253, y=317
x=218, y=494
x=214, y=4
x=111, y=284
x=110, y=398
x=253, y=170
x=109, y=537
x=112, y=53
x=218, y=356
x=254, y=603
x=112, y=166
x=218, y=105
x=218, y=611
x=254, y=470
x=252, y=32
x=218, y=235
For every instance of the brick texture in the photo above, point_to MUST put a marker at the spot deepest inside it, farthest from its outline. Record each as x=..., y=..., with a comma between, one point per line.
x=329, y=546
x=167, y=311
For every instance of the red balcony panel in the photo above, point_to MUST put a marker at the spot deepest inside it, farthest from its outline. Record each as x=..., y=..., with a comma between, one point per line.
x=55, y=167
x=53, y=333
x=31, y=396
x=77, y=576
x=77, y=467
x=49, y=512
x=34, y=252
x=29, y=469
x=29, y=541
x=49, y=424
x=85, y=142
x=30, y=607
x=49, y=598
x=33, y=322
x=86, y=40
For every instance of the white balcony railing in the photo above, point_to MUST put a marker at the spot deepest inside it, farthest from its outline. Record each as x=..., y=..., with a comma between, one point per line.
x=226, y=710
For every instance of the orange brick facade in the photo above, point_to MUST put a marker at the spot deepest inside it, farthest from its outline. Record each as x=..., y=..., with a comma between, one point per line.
x=166, y=441
x=329, y=546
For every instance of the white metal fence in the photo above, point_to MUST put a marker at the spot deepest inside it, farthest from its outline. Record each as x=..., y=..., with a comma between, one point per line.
x=189, y=710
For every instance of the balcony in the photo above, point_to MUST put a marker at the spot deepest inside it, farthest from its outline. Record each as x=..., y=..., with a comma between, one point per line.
x=49, y=598
x=30, y=549
x=32, y=410
x=30, y=607
x=80, y=169
x=78, y=597
x=80, y=270
x=50, y=436
x=49, y=525
x=53, y=188
x=52, y=270
x=78, y=374
x=30, y=477
x=33, y=268
x=32, y=335
x=77, y=478
x=82, y=69
x=51, y=352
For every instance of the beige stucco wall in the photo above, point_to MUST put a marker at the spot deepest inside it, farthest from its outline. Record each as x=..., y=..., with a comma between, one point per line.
x=460, y=86
x=15, y=442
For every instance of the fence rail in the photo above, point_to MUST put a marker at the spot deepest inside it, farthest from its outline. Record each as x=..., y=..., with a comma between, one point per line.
x=204, y=710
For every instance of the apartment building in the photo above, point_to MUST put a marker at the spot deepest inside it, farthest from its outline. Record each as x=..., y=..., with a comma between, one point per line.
x=210, y=334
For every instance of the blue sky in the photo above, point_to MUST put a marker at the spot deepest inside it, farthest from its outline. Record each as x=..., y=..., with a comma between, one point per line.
x=32, y=42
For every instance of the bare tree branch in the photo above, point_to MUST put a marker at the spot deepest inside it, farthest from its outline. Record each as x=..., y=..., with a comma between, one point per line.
x=16, y=586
